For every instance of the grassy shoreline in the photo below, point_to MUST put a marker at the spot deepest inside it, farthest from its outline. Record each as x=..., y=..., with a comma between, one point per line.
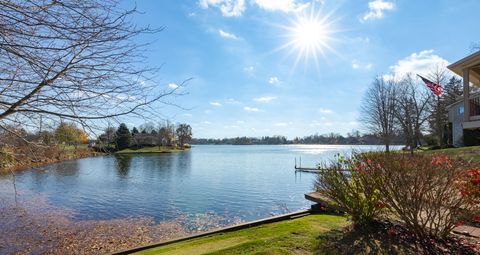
x=24, y=158
x=297, y=236
x=155, y=149
x=467, y=153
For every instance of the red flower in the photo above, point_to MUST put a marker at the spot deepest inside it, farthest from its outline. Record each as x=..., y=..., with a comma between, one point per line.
x=476, y=218
x=459, y=223
x=440, y=160
x=391, y=231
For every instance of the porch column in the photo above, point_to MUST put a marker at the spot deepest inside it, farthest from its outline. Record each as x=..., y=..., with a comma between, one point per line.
x=466, y=94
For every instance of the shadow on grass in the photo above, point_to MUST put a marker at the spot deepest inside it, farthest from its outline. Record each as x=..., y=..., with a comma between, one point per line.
x=386, y=238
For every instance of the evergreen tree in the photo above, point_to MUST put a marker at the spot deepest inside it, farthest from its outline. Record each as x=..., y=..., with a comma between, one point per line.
x=134, y=131
x=123, y=137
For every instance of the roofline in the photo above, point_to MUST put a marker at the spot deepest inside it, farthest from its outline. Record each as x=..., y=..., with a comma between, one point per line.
x=464, y=61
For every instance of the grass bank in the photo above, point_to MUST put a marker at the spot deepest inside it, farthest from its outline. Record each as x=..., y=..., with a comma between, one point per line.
x=29, y=156
x=297, y=236
x=155, y=149
x=466, y=153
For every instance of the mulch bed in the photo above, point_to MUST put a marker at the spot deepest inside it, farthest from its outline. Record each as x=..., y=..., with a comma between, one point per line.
x=390, y=238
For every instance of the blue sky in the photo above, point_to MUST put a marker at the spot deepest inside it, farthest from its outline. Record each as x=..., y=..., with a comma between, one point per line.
x=249, y=79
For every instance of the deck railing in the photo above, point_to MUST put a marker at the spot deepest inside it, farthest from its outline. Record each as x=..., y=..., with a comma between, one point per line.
x=475, y=106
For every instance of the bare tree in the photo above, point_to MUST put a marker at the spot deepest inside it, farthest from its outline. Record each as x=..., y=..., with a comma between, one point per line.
x=439, y=113
x=378, y=109
x=475, y=46
x=412, y=110
x=76, y=60
x=184, y=134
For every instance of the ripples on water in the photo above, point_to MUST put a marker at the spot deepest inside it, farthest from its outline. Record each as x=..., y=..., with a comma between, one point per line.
x=233, y=182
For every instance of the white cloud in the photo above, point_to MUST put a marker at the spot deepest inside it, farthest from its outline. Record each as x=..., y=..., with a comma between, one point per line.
x=187, y=114
x=206, y=122
x=376, y=9
x=357, y=65
x=240, y=122
x=273, y=80
x=249, y=69
x=217, y=104
x=325, y=111
x=422, y=62
x=251, y=109
x=266, y=99
x=172, y=85
x=229, y=8
x=283, y=124
x=231, y=101
x=320, y=124
x=227, y=35
x=280, y=5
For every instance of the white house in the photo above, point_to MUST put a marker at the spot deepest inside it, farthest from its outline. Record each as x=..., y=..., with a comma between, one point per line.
x=464, y=115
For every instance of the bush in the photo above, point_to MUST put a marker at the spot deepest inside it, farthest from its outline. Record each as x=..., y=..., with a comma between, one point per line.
x=426, y=192
x=431, y=194
x=7, y=157
x=359, y=199
x=471, y=137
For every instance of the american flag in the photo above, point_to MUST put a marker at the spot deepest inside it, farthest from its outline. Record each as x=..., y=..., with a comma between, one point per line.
x=435, y=88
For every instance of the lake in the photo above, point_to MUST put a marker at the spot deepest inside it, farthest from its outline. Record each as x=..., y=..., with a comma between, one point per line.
x=242, y=182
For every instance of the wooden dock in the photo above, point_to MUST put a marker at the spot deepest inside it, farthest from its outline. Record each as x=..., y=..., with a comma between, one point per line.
x=305, y=169
x=311, y=169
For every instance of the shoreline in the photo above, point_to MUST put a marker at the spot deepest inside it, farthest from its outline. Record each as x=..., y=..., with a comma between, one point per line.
x=152, y=150
x=79, y=153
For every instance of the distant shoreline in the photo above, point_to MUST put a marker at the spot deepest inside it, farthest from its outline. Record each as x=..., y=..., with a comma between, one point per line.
x=155, y=149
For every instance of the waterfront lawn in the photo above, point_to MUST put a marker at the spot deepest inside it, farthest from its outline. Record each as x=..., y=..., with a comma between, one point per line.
x=297, y=236
x=153, y=149
x=466, y=153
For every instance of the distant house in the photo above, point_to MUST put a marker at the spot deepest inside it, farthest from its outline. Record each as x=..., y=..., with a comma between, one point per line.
x=464, y=115
x=145, y=139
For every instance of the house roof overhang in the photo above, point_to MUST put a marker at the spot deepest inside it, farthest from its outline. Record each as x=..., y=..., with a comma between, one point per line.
x=473, y=62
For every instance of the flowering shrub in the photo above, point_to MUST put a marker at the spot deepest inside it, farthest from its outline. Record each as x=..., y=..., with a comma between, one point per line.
x=472, y=185
x=360, y=201
x=430, y=194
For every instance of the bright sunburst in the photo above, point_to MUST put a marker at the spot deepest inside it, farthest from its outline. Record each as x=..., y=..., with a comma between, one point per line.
x=309, y=35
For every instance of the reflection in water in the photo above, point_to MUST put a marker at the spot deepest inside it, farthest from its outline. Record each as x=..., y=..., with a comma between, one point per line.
x=245, y=182
x=122, y=163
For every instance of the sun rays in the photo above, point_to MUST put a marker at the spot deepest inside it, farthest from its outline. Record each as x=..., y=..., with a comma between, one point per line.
x=309, y=36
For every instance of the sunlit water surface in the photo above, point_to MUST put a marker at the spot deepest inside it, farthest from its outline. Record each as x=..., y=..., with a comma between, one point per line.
x=243, y=182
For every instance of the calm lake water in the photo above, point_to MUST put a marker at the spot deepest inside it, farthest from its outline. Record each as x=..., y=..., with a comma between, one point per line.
x=246, y=182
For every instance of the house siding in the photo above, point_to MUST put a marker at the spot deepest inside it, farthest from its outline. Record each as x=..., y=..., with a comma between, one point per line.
x=455, y=116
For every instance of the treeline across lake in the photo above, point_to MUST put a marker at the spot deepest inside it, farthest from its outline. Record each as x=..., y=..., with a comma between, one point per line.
x=332, y=138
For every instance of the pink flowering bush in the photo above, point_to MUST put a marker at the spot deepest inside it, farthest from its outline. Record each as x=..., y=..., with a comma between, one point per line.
x=430, y=194
x=347, y=190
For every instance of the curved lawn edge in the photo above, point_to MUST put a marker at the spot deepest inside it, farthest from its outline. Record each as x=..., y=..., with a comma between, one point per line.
x=298, y=229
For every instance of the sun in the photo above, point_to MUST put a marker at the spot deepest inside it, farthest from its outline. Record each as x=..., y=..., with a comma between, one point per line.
x=309, y=36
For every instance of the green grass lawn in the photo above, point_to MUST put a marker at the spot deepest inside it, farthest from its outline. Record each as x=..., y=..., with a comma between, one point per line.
x=155, y=149
x=297, y=236
x=467, y=153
